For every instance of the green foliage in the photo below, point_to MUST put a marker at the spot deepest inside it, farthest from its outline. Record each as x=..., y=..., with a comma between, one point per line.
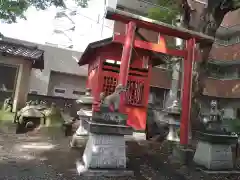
x=233, y=125
x=11, y=10
x=166, y=12
x=82, y=3
x=236, y=4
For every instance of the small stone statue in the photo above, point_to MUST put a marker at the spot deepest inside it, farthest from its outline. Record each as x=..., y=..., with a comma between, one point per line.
x=113, y=100
x=88, y=92
x=215, y=119
x=7, y=106
x=174, y=107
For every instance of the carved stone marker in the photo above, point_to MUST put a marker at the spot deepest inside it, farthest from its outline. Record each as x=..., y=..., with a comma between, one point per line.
x=214, y=152
x=214, y=149
x=105, y=149
x=105, y=152
x=85, y=113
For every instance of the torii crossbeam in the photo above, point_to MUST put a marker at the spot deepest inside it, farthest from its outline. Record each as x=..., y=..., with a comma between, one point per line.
x=128, y=41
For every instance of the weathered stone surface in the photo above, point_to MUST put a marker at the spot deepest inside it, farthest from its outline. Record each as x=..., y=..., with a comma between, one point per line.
x=108, y=129
x=105, y=152
x=81, y=131
x=214, y=156
x=80, y=137
x=110, y=118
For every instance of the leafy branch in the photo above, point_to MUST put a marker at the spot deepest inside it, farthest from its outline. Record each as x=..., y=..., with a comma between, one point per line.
x=11, y=10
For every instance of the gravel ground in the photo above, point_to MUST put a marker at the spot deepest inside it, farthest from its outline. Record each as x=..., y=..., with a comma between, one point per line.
x=46, y=155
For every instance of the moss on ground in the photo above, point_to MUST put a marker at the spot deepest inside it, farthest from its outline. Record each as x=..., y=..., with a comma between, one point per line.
x=6, y=116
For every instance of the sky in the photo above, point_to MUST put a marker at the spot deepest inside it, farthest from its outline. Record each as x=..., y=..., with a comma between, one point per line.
x=39, y=26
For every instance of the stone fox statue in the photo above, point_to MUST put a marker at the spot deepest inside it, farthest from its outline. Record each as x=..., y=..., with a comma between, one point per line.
x=113, y=100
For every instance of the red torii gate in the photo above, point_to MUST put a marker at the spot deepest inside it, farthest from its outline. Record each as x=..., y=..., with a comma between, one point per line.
x=128, y=41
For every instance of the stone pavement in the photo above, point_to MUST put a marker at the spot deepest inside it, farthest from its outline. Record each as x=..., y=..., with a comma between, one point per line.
x=43, y=156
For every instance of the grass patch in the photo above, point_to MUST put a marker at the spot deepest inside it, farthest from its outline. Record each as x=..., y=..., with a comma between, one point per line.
x=6, y=116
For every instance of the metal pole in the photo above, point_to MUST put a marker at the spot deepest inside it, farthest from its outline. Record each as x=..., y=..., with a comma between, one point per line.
x=187, y=89
x=126, y=57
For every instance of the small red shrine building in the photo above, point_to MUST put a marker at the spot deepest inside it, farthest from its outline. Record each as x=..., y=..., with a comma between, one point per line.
x=104, y=59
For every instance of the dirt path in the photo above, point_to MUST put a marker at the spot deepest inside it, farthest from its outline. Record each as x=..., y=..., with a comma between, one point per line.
x=47, y=156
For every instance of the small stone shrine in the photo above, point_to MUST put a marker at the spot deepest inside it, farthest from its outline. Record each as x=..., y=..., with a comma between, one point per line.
x=105, y=152
x=172, y=118
x=85, y=113
x=7, y=105
x=214, y=150
x=28, y=118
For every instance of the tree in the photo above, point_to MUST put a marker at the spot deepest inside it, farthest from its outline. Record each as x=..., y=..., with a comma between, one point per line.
x=11, y=10
x=205, y=19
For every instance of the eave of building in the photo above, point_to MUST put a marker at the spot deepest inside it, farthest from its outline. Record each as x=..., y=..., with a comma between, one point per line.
x=225, y=53
x=222, y=88
x=224, y=63
x=226, y=32
x=84, y=59
x=30, y=53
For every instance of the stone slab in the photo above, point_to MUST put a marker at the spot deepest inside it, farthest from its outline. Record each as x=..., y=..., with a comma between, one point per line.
x=218, y=172
x=214, y=156
x=84, y=172
x=105, y=151
x=114, y=118
x=78, y=141
x=108, y=173
x=107, y=129
x=217, y=138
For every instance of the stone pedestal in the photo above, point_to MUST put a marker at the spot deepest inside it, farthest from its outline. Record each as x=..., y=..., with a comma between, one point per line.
x=105, y=152
x=80, y=137
x=173, y=120
x=214, y=152
x=173, y=131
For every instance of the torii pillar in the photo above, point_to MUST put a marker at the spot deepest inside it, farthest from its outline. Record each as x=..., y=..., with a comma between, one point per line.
x=132, y=22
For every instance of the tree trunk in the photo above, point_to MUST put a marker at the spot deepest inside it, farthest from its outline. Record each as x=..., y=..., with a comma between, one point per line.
x=205, y=20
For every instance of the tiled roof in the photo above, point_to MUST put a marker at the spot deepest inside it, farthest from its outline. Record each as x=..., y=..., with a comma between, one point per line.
x=26, y=52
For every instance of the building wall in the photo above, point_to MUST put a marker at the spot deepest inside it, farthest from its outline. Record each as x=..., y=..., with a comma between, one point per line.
x=70, y=86
x=22, y=80
x=59, y=60
x=55, y=59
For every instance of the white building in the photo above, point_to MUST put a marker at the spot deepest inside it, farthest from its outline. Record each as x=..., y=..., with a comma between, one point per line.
x=61, y=75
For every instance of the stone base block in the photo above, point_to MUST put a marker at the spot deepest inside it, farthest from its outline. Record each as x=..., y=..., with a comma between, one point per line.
x=173, y=133
x=105, y=152
x=111, y=129
x=78, y=141
x=214, y=156
x=210, y=172
x=183, y=155
x=87, y=172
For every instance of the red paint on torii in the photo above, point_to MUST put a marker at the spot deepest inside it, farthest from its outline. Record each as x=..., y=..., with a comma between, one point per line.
x=189, y=53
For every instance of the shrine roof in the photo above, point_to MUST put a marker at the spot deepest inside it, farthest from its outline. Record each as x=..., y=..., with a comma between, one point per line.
x=98, y=44
x=35, y=55
x=150, y=24
x=91, y=47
